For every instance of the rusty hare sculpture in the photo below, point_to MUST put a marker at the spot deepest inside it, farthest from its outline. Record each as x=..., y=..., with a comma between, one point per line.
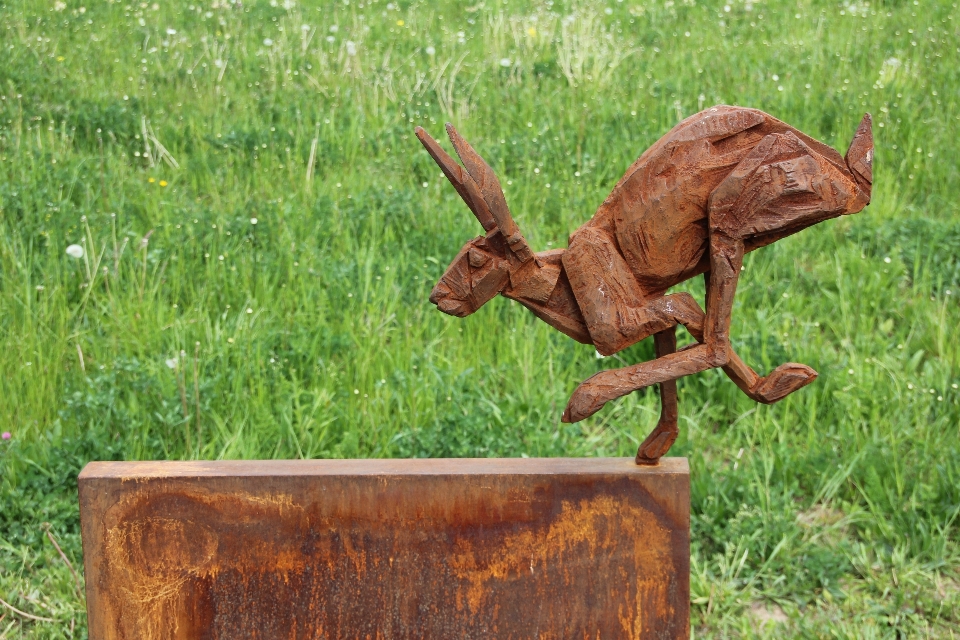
x=723, y=182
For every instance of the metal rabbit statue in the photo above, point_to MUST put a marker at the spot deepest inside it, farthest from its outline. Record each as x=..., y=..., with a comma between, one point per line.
x=723, y=182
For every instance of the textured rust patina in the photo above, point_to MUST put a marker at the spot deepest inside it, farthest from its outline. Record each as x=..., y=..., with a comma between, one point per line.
x=723, y=182
x=528, y=548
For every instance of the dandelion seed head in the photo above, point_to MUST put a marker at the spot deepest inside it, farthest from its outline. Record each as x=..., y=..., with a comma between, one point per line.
x=505, y=62
x=331, y=39
x=267, y=42
x=351, y=48
x=171, y=363
x=431, y=51
x=75, y=251
x=334, y=28
x=253, y=221
x=171, y=32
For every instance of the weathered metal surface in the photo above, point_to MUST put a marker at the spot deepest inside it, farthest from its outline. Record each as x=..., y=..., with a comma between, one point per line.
x=498, y=548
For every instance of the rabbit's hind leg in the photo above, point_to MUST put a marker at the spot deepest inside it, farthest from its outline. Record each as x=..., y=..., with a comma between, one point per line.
x=665, y=433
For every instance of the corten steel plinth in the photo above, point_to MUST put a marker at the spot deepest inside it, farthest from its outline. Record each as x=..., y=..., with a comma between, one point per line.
x=469, y=548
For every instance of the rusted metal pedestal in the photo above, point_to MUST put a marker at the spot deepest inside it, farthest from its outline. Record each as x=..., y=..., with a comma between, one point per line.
x=492, y=548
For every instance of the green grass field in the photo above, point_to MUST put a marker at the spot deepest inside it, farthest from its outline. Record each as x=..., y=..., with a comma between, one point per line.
x=153, y=136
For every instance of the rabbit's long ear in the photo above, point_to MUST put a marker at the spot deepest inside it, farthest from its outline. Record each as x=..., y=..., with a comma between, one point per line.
x=460, y=180
x=492, y=194
x=859, y=156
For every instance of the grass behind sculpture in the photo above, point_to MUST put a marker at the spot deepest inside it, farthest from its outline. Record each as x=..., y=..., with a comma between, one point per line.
x=309, y=333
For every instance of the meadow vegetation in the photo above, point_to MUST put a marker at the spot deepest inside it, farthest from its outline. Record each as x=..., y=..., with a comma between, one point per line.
x=260, y=231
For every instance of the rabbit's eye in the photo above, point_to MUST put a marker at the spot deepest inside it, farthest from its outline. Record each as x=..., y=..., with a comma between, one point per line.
x=478, y=258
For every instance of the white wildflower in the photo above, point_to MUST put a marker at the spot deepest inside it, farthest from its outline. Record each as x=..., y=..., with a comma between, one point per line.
x=431, y=51
x=172, y=363
x=171, y=32
x=75, y=251
x=351, y=48
x=253, y=221
x=888, y=71
x=267, y=42
x=505, y=62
